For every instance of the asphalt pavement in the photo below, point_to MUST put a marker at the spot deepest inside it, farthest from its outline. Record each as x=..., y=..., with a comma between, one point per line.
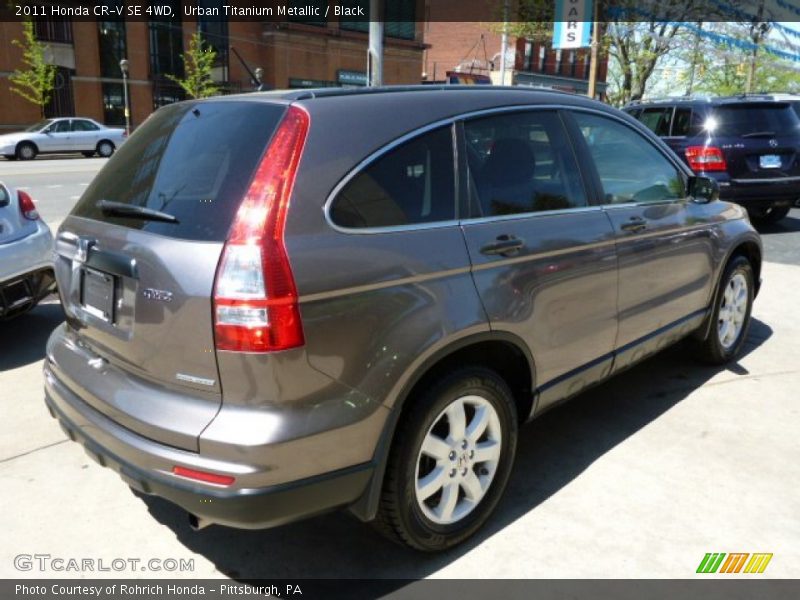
x=639, y=477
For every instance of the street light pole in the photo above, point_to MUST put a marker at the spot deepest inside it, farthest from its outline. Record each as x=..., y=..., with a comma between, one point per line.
x=124, y=66
x=375, y=51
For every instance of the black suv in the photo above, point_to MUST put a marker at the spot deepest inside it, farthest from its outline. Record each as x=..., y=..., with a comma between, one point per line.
x=749, y=144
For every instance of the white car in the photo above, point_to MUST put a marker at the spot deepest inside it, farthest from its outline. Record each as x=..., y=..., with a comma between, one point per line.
x=69, y=134
x=26, y=254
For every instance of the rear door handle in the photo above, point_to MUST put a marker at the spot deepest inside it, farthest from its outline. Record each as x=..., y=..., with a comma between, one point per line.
x=634, y=225
x=504, y=245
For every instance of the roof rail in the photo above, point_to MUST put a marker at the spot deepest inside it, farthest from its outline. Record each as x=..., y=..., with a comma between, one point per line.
x=306, y=94
x=686, y=98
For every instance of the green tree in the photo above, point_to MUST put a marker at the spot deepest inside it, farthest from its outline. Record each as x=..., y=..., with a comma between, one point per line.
x=34, y=81
x=198, y=63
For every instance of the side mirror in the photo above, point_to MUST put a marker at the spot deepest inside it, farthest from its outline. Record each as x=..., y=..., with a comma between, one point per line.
x=703, y=190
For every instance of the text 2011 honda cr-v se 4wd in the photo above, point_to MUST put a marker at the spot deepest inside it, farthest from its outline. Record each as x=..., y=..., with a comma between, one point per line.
x=283, y=303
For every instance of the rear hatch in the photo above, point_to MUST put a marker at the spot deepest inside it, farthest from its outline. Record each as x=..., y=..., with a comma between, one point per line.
x=13, y=225
x=759, y=140
x=137, y=288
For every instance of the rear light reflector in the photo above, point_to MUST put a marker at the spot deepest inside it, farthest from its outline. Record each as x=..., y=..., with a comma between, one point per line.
x=27, y=207
x=705, y=158
x=203, y=476
x=255, y=298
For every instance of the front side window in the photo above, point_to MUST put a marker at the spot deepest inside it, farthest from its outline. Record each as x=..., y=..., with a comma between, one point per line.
x=521, y=163
x=60, y=127
x=631, y=169
x=413, y=183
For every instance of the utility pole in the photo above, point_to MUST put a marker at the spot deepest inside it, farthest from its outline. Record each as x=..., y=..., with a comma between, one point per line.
x=594, y=51
x=757, y=30
x=375, y=51
x=504, y=44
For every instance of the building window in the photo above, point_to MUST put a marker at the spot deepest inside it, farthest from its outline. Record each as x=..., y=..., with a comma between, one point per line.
x=166, y=92
x=399, y=18
x=558, y=62
x=57, y=30
x=113, y=47
x=526, y=66
x=113, y=104
x=62, y=102
x=572, y=63
x=542, y=57
x=166, y=44
x=215, y=33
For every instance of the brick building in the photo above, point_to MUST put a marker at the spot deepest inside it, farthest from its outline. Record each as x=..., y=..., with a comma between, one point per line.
x=474, y=47
x=301, y=53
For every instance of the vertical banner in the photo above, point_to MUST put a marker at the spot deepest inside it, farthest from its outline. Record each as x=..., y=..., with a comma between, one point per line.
x=572, y=26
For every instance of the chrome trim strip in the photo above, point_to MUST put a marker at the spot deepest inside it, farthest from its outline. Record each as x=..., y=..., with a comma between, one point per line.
x=769, y=180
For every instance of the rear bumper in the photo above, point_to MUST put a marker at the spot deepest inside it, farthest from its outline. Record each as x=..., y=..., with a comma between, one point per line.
x=251, y=508
x=760, y=193
x=21, y=293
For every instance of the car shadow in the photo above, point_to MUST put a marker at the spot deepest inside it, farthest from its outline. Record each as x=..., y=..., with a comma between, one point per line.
x=788, y=224
x=23, y=338
x=553, y=450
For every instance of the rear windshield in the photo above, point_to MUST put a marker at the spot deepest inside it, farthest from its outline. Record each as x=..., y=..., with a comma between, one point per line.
x=747, y=119
x=191, y=160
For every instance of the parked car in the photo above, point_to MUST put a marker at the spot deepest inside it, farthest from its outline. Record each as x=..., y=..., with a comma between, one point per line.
x=26, y=254
x=268, y=319
x=62, y=136
x=749, y=144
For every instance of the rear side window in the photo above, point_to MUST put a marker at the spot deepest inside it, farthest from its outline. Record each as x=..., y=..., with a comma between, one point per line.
x=413, y=183
x=686, y=123
x=743, y=120
x=657, y=120
x=81, y=125
x=521, y=163
x=191, y=160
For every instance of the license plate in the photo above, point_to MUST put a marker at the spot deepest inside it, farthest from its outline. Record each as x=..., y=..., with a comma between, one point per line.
x=97, y=294
x=770, y=161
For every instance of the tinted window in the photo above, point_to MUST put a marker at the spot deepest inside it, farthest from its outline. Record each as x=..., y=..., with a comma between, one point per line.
x=657, y=120
x=59, y=127
x=686, y=123
x=631, y=169
x=521, y=162
x=191, y=160
x=738, y=120
x=413, y=183
x=81, y=125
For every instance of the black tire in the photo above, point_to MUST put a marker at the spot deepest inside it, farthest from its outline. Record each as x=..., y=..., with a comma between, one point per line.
x=400, y=517
x=770, y=215
x=26, y=151
x=10, y=156
x=711, y=349
x=88, y=154
x=105, y=148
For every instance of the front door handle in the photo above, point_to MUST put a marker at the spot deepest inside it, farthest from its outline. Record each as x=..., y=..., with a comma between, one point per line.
x=504, y=245
x=634, y=225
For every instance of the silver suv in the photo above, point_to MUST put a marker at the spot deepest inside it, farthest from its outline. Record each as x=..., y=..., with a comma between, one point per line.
x=284, y=303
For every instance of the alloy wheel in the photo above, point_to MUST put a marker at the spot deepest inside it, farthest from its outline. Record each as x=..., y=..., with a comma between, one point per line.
x=732, y=311
x=458, y=460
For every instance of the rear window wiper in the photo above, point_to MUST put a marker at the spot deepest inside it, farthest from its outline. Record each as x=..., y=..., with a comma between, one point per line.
x=753, y=134
x=120, y=209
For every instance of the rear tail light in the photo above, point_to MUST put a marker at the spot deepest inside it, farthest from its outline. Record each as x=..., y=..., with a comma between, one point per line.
x=255, y=298
x=27, y=207
x=705, y=158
